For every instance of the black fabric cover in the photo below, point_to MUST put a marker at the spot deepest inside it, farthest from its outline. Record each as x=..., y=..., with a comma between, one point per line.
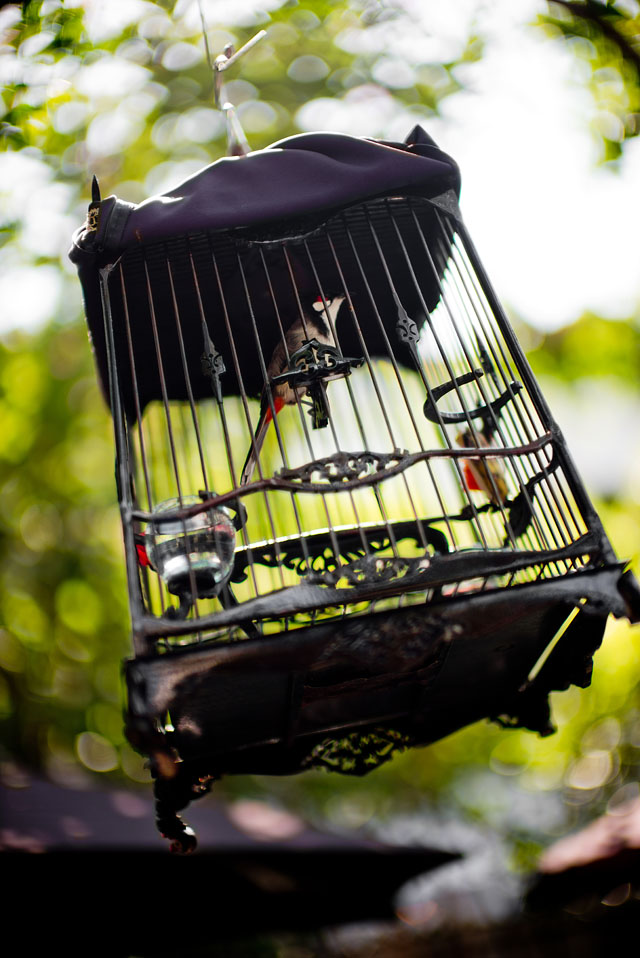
x=292, y=181
x=294, y=177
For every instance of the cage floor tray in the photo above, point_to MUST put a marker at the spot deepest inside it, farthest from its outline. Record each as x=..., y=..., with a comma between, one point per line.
x=278, y=705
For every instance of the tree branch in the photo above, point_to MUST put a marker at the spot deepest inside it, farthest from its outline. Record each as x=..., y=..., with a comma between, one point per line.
x=598, y=14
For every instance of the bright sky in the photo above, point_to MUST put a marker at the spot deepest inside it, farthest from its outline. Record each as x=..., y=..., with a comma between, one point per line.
x=557, y=233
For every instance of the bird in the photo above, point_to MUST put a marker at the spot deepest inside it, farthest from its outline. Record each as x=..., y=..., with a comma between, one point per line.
x=483, y=475
x=310, y=325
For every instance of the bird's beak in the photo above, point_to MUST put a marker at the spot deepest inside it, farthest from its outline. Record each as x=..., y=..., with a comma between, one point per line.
x=333, y=304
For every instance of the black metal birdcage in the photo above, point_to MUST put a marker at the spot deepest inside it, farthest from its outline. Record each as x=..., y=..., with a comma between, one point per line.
x=351, y=523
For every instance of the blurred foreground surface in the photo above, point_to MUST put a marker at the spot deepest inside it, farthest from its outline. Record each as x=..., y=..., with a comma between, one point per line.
x=88, y=871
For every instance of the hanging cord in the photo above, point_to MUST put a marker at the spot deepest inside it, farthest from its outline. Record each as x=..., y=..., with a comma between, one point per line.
x=237, y=143
x=207, y=48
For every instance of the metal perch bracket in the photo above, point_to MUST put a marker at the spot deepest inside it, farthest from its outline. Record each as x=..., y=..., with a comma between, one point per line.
x=309, y=367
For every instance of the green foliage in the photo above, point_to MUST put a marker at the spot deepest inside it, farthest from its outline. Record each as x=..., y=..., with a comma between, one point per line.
x=62, y=589
x=606, y=36
x=590, y=348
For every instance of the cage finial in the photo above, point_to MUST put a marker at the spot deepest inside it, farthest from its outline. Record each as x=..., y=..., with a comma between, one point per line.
x=237, y=143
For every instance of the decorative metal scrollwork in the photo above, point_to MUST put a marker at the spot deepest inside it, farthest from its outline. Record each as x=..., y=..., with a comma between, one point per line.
x=213, y=366
x=314, y=555
x=357, y=753
x=371, y=570
x=312, y=564
x=406, y=328
x=344, y=467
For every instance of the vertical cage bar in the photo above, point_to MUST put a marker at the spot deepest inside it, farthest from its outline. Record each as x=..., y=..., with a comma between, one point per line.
x=469, y=286
x=122, y=471
x=146, y=585
x=169, y=427
x=583, y=501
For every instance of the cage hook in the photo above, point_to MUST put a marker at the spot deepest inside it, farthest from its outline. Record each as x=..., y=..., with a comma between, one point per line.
x=237, y=143
x=486, y=411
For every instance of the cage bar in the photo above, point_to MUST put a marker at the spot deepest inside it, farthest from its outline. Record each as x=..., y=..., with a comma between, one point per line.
x=436, y=443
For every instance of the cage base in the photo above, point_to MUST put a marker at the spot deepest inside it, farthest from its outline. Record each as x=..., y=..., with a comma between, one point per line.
x=346, y=695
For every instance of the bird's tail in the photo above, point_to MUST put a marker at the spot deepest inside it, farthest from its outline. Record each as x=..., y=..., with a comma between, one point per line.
x=258, y=439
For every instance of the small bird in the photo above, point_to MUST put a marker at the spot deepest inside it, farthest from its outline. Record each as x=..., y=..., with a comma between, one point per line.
x=483, y=475
x=316, y=325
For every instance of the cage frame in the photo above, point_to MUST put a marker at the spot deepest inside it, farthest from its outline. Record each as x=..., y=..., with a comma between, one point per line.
x=146, y=628
x=560, y=623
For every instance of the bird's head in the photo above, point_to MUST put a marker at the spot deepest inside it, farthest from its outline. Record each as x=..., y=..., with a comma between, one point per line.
x=329, y=306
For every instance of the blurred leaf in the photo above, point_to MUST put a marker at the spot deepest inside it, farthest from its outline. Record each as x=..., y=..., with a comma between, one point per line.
x=592, y=347
x=607, y=36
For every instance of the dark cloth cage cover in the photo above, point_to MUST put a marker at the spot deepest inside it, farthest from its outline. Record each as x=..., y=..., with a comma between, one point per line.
x=412, y=548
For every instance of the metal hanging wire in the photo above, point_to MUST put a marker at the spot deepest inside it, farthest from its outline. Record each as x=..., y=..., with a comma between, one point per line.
x=237, y=143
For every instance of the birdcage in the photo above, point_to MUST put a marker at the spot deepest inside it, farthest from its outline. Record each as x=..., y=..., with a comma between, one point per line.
x=351, y=524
